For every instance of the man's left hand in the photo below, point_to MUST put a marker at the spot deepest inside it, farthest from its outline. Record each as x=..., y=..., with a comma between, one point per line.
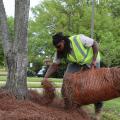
x=93, y=64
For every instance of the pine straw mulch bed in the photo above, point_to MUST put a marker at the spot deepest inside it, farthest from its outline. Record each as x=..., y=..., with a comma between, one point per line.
x=35, y=109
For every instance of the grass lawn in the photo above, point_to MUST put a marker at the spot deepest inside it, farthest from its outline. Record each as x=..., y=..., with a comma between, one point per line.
x=34, y=82
x=33, y=79
x=111, y=109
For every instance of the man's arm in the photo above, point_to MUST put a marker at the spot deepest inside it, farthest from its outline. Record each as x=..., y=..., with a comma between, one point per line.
x=52, y=69
x=95, y=52
x=89, y=42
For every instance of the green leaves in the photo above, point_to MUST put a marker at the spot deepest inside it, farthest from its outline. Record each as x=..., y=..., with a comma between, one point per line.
x=115, y=7
x=74, y=17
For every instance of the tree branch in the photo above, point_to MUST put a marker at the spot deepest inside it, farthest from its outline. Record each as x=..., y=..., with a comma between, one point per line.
x=4, y=29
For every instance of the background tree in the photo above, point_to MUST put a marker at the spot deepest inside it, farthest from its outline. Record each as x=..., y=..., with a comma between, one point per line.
x=1, y=54
x=74, y=17
x=10, y=22
x=15, y=50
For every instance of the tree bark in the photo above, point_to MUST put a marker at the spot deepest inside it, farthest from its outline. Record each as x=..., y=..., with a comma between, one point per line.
x=15, y=51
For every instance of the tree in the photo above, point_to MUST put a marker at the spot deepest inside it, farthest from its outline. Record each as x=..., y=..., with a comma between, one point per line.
x=15, y=50
x=1, y=54
x=10, y=21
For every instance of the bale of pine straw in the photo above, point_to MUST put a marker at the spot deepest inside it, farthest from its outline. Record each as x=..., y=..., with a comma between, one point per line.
x=91, y=86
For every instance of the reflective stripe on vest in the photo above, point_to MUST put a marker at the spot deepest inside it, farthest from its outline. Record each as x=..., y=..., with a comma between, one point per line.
x=78, y=46
x=76, y=50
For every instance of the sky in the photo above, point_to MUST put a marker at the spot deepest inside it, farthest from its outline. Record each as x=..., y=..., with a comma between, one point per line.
x=10, y=5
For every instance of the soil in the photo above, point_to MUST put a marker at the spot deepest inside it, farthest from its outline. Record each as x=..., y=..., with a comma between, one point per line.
x=35, y=109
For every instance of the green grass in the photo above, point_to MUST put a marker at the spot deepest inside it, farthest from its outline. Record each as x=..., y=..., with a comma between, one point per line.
x=3, y=72
x=33, y=79
x=33, y=85
x=2, y=69
x=3, y=78
x=39, y=79
x=34, y=82
x=111, y=109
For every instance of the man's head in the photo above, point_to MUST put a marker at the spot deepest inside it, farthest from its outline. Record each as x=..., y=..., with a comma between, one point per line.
x=62, y=44
x=58, y=41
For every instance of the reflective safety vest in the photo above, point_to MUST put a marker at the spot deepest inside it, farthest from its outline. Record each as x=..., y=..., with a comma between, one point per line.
x=80, y=54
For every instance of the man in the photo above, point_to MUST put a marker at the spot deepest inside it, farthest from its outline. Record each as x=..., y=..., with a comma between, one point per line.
x=79, y=50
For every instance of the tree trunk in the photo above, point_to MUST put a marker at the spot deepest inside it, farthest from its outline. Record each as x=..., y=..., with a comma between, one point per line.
x=15, y=51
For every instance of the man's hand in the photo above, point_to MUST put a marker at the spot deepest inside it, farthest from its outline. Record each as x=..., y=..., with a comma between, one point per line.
x=44, y=81
x=93, y=64
x=45, y=78
x=95, y=53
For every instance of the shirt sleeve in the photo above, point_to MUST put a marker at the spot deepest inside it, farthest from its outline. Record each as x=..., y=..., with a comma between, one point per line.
x=88, y=42
x=56, y=60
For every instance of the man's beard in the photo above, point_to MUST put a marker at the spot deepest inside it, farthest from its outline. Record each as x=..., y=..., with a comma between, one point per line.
x=64, y=52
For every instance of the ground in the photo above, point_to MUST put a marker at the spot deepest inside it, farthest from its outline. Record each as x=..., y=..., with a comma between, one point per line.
x=34, y=109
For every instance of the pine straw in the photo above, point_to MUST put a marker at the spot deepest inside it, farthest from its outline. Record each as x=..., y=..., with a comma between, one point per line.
x=48, y=94
x=34, y=109
x=91, y=86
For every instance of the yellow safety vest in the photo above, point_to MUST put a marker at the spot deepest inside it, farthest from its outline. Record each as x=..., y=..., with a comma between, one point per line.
x=80, y=54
